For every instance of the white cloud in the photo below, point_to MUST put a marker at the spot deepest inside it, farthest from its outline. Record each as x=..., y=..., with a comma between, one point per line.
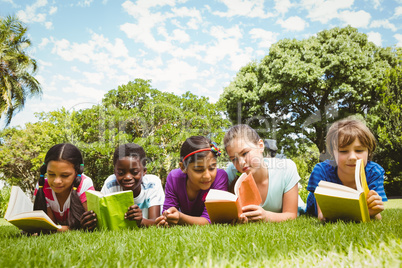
x=359, y=19
x=375, y=38
x=282, y=6
x=94, y=78
x=52, y=10
x=383, y=23
x=85, y=3
x=48, y=25
x=294, y=23
x=30, y=13
x=377, y=3
x=80, y=90
x=226, y=44
x=398, y=11
x=265, y=38
x=44, y=42
x=324, y=11
x=247, y=8
x=398, y=38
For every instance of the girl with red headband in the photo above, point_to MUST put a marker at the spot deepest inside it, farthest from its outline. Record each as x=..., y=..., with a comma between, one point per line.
x=187, y=186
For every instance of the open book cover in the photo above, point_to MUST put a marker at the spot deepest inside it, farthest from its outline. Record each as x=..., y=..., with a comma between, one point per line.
x=110, y=208
x=20, y=213
x=341, y=202
x=224, y=207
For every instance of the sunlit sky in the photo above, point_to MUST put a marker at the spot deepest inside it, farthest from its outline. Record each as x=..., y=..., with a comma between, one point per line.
x=86, y=48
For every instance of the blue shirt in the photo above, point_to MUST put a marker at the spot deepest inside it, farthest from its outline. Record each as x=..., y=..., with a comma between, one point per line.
x=328, y=171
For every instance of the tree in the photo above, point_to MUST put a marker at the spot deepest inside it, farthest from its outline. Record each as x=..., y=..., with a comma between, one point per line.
x=158, y=121
x=22, y=150
x=385, y=119
x=136, y=112
x=16, y=68
x=302, y=86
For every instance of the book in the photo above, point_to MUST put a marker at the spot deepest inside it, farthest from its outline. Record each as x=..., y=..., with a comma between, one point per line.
x=338, y=201
x=110, y=208
x=224, y=207
x=21, y=214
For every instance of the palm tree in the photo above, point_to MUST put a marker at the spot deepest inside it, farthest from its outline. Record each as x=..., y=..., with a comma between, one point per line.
x=16, y=68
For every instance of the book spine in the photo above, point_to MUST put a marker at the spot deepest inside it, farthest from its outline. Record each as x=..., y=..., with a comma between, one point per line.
x=364, y=208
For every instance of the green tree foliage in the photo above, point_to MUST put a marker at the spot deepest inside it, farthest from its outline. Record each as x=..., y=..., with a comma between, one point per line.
x=22, y=150
x=16, y=68
x=385, y=119
x=136, y=112
x=302, y=86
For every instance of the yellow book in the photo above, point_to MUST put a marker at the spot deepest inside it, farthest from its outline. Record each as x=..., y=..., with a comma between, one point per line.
x=224, y=207
x=338, y=201
x=20, y=213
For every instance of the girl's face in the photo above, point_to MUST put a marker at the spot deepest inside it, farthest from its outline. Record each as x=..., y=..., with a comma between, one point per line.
x=201, y=174
x=129, y=172
x=60, y=176
x=245, y=155
x=347, y=156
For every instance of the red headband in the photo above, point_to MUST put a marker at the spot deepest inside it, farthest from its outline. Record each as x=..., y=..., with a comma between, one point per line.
x=198, y=151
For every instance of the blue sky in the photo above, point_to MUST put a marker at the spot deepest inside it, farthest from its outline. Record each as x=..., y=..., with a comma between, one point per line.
x=86, y=48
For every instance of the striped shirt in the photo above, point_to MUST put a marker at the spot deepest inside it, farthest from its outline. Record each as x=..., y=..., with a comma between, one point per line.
x=52, y=202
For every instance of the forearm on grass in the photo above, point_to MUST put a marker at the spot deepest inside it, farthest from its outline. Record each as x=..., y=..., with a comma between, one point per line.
x=191, y=220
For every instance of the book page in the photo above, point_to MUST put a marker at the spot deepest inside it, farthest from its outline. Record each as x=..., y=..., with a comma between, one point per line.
x=336, y=187
x=360, y=177
x=18, y=203
x=97, y=193
x=215, y=194
x=334, y=192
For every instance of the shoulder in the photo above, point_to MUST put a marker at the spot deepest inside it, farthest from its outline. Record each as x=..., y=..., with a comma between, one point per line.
x=110, y=182
x=150, y=181
x=374, y=168
x=176, y=174
x=328, y=166
x=221, y=173
x=86, y=184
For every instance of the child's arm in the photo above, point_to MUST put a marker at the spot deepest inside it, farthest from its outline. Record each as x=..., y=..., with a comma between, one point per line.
x=289, y=209
x=375, y=204
x=153, y=213
x=173, y=216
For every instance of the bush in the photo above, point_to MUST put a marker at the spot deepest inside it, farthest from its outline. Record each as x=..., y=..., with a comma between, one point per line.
x=4, y=197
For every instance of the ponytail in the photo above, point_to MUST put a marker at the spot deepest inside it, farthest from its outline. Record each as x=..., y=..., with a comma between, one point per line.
x=76, y=207
x=40, y=200
x=72, y=154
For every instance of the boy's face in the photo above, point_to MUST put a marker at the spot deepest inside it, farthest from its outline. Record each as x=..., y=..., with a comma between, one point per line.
x=347, y=156
x=129, y=172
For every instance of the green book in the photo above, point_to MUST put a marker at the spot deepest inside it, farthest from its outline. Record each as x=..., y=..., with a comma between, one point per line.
x=110, y=209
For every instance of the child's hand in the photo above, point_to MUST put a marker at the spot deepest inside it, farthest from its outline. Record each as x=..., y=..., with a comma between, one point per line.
x=161, y=221
x=321, y=217
x=134, y=213
x=172, y=216
x=88, y=220
x=375, y=204
x=254, y=213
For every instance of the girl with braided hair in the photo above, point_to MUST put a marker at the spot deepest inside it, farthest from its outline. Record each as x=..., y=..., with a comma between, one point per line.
x=61, y=194
x=187, y=186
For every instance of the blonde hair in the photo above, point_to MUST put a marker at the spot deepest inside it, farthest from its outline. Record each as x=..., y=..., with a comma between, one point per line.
x=344, y=132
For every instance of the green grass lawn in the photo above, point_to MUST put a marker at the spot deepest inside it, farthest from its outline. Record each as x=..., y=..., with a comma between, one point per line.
x=302, y=242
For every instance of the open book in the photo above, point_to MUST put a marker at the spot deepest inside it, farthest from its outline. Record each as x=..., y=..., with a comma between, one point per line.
x=225, y=207
x=338, y=201
x=110, y=208
x=20, y=213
